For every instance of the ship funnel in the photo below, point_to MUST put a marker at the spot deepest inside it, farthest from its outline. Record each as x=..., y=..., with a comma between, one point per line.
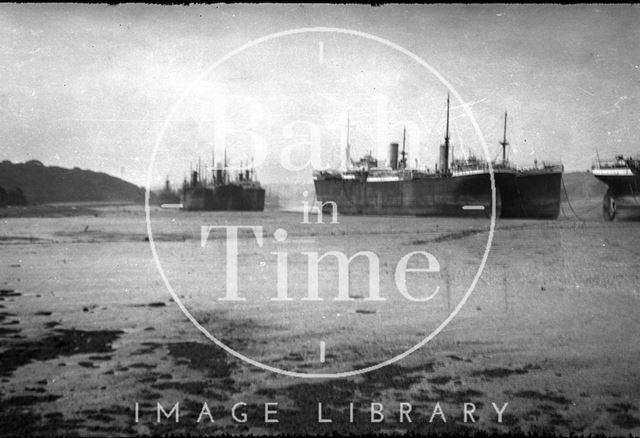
x=219, y=174
x=444, y=158
x=393, y=155
x=194, y=178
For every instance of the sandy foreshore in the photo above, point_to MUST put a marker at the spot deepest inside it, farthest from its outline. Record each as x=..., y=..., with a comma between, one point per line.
x=89, y=328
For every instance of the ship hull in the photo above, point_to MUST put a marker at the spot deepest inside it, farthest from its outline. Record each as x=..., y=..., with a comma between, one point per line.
x=530, y=194
x=623, y=191
x=168, y=198
x=467, y=195
x=623, y=186
x=228, y=197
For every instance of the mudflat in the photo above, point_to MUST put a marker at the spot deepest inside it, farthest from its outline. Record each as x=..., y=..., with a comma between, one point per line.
x=91, y=339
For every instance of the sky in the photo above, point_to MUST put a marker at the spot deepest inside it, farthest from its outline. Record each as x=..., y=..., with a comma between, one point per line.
x=101, y=87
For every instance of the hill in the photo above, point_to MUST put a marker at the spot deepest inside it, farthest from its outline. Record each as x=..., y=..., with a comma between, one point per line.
x=49, y=184
x=583, y=185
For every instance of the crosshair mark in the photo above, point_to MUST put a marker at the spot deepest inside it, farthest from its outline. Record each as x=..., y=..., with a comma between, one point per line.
x=322, y=348
x=321, y=53
x=473, y=207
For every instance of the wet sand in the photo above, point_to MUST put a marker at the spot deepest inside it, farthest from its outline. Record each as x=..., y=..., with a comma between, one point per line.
x=88, y=327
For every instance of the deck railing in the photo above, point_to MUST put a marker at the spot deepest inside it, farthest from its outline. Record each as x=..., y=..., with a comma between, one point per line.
x=610, y=163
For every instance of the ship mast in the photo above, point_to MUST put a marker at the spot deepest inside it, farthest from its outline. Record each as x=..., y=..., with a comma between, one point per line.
x=504, y=141
x=224, y=175
x=444, y=149
x=446, y=135
x=213, y=166
x=404, y=154
x=348, y=151
x=348, y=127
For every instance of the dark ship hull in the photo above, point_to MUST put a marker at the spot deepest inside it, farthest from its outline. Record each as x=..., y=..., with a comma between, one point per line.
x=528, y=193
x=458, y=195
x=228, y=197
x=168, y=198
x=532, y=194
x=623, y=181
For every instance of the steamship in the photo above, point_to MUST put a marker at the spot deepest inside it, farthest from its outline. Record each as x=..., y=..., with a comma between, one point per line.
x=244, y=193
x=367, y=188
x=528, y=192
x=622, y=176
x=168, y=196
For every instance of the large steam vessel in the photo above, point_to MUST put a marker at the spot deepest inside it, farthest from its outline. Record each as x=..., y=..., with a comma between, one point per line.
x=168, y=196
x=622, y=176
x=221, y=193
x=530, y=192
x=366, y=188
x=526, y=192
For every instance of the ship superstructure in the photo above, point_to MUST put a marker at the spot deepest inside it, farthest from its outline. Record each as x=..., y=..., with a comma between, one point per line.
x=367, y=188
x=222, y=191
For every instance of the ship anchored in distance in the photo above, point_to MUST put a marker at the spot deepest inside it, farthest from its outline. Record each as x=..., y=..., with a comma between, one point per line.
x=460, y=187
x=219, y=192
